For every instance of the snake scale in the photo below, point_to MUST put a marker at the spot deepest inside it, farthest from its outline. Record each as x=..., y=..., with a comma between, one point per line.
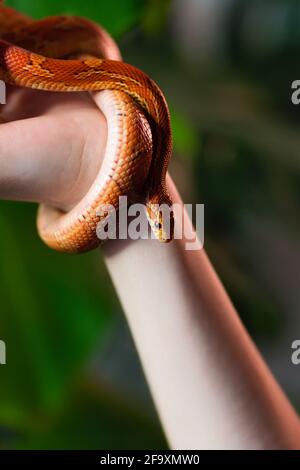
x=67, y=53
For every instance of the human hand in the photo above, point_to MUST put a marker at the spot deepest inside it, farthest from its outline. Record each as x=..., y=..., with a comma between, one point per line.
x=51, y=146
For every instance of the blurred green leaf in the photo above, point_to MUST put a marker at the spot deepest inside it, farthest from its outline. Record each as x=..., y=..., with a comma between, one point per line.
x=95, y=418
x=186, y=140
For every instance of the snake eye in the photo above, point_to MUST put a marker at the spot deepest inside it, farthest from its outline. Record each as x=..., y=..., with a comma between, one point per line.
x=158, y=225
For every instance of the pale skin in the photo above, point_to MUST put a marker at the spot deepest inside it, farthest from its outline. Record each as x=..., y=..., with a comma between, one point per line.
x=210, y=385
x=51, y=146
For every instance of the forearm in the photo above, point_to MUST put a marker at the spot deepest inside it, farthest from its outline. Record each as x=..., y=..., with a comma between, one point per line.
x=210, y=385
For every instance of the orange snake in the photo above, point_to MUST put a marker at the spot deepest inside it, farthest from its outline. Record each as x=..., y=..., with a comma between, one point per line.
x=139, y=144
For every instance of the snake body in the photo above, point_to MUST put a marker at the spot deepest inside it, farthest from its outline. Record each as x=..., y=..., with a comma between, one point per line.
x=73, y=54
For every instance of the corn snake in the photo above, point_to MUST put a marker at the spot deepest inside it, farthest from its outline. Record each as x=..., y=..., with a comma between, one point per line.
x=73, y=54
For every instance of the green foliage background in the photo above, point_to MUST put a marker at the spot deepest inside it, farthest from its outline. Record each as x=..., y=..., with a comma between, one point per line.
x=236, y=150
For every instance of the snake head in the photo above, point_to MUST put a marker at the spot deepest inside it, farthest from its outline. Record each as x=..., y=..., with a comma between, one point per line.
x=161, y=218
